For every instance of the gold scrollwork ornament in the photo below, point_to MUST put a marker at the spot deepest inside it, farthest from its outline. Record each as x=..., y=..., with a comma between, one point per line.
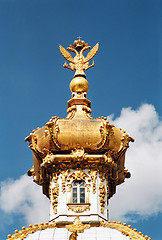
x=102, y=193
x=64, y=175
x=55, y=194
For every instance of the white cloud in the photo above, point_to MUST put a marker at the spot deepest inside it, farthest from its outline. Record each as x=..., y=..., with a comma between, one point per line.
x=142, y=193
x=22, y=196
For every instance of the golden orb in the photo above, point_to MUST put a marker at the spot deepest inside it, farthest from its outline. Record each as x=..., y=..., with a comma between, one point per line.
x=79, y=84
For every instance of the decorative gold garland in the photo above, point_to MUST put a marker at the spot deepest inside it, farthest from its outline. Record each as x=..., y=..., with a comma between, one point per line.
x=126, y=230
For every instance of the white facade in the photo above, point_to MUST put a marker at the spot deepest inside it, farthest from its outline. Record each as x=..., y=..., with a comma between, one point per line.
x=90, y=210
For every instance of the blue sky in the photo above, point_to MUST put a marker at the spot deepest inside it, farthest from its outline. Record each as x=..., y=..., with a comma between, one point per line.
x=35, y=86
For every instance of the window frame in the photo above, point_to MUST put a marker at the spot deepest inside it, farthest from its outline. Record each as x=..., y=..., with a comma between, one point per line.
x=80, y=192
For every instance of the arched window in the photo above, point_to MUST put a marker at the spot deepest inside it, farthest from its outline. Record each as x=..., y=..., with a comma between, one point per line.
x=78, y=192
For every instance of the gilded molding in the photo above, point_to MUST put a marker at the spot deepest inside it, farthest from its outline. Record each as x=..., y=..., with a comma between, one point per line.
x=126, y=230
x=78, y=208
x=77, y=226
x=21, y=234
x=102, y=193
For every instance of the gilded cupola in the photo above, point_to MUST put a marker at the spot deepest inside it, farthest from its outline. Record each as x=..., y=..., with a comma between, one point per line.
x=78, y=158
x=78, y=161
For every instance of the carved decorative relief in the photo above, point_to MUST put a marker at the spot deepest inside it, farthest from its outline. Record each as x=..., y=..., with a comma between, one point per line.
x=102, y=193
x=125, y=140
x=55, y=194
x=106, y=132
x=78, y=175
x=107, y=185
x=49, y=158
x=71, y=112
x=77, y=226
x=79, y=63
x=50, y=190
x=87, y=112
x=78, y=154
x=64, y=175
x=53, y=128
x=93, y=174
x=88, y=187
x=69, y=187
x=102, y=176
x=73, y=236
x=55, y=177
x=78, y=208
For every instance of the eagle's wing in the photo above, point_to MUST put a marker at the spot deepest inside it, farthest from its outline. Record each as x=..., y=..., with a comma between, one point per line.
x=92, y=53
x=66, y=54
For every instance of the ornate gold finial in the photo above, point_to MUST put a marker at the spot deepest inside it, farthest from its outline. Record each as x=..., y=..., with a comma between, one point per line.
x=79, y=63
x=77, y=226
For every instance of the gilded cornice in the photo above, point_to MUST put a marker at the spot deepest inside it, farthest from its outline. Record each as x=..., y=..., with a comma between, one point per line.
x=78, y=226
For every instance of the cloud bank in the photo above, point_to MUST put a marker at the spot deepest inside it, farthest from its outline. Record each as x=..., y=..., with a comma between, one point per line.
x=141, y=194
x=23, y=197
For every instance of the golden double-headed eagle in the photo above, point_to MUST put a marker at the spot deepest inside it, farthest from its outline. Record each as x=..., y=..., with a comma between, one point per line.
x=79, y=63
